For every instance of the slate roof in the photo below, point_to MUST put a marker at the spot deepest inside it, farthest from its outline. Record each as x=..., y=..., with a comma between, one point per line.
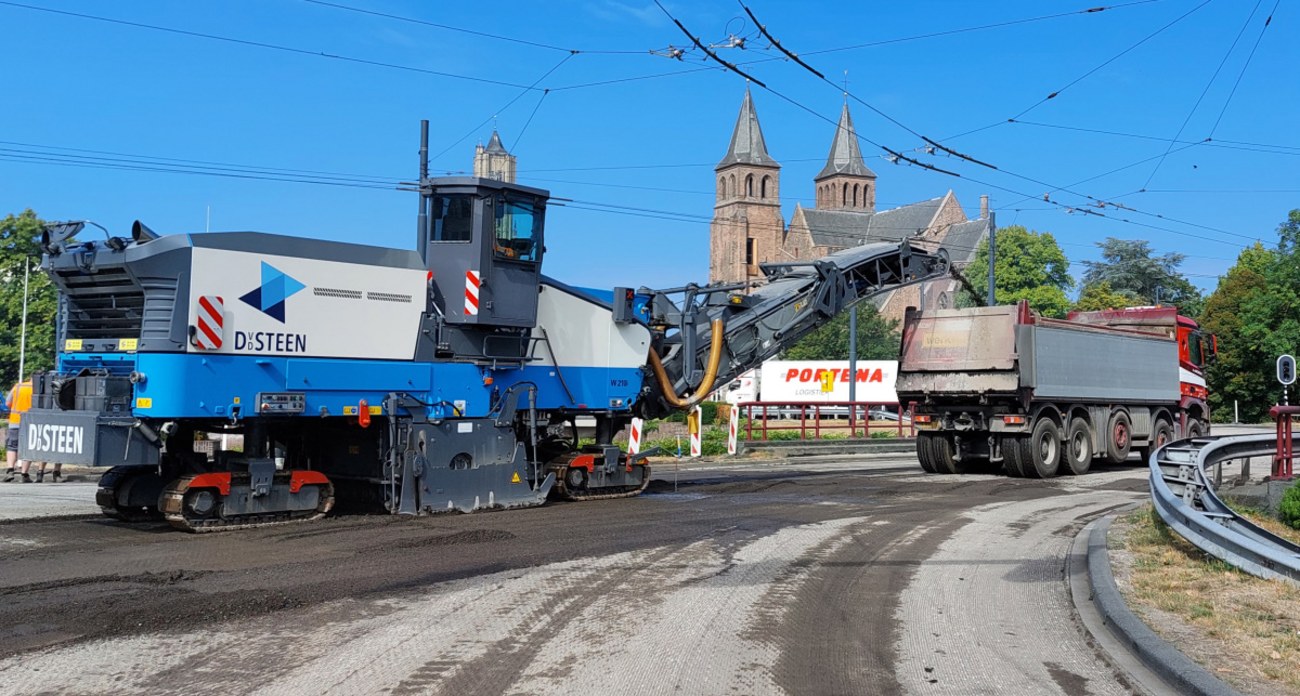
x=962, y=238
x=494, y=145
x=845, y=156
x=747, y=144
x=843, y=228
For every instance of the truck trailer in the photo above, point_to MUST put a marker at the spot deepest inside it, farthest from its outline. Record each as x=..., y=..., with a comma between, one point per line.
x=1003, y=388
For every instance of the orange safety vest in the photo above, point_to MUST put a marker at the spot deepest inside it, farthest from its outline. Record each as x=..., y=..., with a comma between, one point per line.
x=20, y=399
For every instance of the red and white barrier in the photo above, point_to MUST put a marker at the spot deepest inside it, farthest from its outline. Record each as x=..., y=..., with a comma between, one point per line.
x=695, y=434
x=634, y=436
x=733, y=424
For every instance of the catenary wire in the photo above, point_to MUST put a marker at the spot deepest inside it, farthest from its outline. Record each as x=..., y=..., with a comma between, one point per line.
x=1204, y=92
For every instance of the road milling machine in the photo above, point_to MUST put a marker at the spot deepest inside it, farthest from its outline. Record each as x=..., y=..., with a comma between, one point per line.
x=447, y=377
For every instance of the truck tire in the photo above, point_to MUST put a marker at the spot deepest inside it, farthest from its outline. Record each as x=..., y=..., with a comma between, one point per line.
x=1160, y=436
x=1196, y=428
x=923, y=452
x=1040, y=457
x=943, y=452
x=1119, y=437
x=1011, y=448
x=1078, y=447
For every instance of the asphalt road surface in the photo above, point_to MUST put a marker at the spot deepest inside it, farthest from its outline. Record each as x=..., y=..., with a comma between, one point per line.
x=858, y=576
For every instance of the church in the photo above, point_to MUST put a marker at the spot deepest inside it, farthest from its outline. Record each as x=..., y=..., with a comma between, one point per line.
x=748, y=227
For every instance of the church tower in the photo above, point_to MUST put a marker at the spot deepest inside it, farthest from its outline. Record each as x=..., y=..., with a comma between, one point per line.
x=845, y=183
x=747, y=227
x=493, y=161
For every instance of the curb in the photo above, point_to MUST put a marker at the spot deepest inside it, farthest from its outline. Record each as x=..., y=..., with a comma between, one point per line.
x=1167, y=662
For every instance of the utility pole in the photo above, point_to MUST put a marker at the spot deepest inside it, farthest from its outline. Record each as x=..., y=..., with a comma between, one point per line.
x=22, y=342
x=992, y=255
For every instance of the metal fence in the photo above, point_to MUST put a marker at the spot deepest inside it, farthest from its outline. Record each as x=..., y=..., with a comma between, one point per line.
x=818, y=419
x=1184, y=497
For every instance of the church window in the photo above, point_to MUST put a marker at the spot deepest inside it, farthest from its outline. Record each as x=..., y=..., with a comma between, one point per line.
x=855, y=195
x=749, y=186
x=749, y=251
x=722, y=187
x=763, y=190
x=731, y=186
x=844, y=195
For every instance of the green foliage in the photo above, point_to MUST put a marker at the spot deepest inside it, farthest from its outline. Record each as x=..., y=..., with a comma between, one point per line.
x=1030, y=266
x=1255, y=312
x=878, y=338
x=1129, y=267
x=1100, y=295
x=19, y=238
x=1289, y=509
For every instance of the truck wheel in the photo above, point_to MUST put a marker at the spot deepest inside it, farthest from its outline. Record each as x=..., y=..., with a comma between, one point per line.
x=1041, y=457
x=943, y=450
x=1119, y=437
x=1011, y=448
x=1078, y=447
x=1195, y=428
x=1160, y=436
x=923, y=452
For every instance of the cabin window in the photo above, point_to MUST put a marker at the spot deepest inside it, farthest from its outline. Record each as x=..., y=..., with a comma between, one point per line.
x=453, y=218
x=517, y=229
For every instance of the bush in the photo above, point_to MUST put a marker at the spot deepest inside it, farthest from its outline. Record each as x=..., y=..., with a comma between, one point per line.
x=1289, y=509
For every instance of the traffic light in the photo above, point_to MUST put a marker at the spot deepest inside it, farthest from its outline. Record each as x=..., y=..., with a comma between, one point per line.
x=1286, y=369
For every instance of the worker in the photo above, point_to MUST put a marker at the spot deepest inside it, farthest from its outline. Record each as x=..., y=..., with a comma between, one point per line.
x=18, y=400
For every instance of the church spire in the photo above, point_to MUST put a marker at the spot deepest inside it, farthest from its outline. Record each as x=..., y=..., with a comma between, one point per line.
x=747, y=145
x=845, y=156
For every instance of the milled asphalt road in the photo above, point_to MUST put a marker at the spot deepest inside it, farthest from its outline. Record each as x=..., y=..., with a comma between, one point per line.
x=851, y=576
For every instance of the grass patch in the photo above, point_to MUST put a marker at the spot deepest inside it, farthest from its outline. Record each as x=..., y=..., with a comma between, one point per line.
x=1241, y=628
x=1265, y=520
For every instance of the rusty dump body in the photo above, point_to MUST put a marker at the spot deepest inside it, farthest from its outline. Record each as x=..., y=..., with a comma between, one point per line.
x=987, y=354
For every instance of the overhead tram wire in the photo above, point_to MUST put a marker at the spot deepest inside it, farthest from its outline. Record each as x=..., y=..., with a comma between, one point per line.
x=592, y=206
x=1249, y=58
x=1093, y=199
x=507, y=105
x=262, y=44
x=983, y=27
x=1082, y=77
x=1204, y=92
x=38, y=149
x=1272, y=148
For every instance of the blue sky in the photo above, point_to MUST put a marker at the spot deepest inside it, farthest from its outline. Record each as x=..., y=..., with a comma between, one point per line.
x=604, y=133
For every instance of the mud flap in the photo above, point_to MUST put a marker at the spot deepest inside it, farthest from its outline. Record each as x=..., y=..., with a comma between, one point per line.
x=413, y=466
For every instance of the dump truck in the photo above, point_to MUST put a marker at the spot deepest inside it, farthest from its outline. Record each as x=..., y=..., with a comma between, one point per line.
x=1001, y=387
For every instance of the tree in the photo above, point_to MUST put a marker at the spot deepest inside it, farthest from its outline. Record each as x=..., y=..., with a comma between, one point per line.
x=19, y=245
x=878, y=338
x=1255, y=313
x=1130, y=268
x=1101, y=296
x=1029, y=266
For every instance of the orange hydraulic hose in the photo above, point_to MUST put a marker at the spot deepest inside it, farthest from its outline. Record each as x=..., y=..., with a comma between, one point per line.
x=706, y=384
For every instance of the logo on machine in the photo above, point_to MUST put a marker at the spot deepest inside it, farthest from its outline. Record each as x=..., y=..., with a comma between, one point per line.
x=277, y=286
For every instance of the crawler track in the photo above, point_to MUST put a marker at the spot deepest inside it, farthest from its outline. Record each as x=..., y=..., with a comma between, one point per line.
x=605, y=493
x=182, y=516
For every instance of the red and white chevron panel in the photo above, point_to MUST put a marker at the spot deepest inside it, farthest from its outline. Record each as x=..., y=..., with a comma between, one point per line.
x=210, y=323
x=634, y=436
x=696, y=445
x=472, y=283
x=733, y=424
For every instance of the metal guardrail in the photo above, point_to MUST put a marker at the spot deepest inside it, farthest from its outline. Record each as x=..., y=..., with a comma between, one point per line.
x=1184, y=497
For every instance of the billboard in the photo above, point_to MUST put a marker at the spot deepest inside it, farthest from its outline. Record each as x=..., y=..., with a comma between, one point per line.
x=795, y=381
